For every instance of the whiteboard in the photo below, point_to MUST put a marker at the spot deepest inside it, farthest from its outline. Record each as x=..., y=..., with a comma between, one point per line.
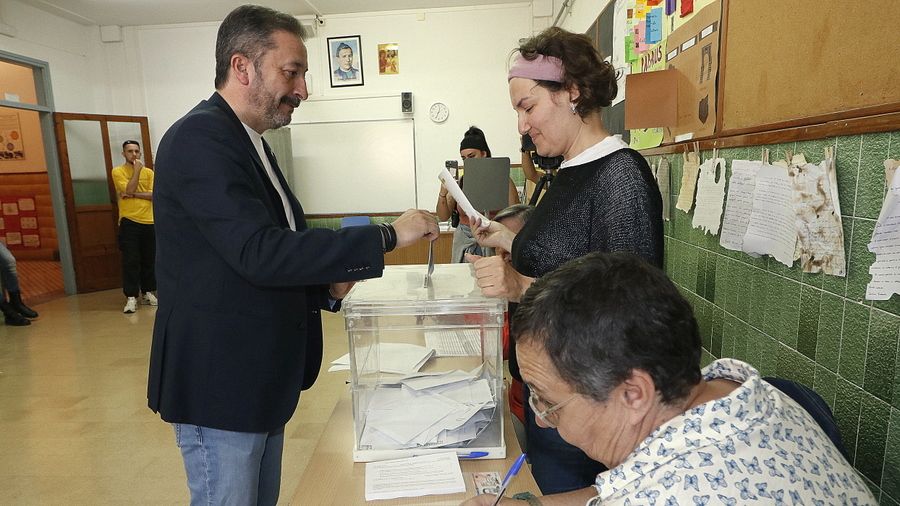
x=354, y=166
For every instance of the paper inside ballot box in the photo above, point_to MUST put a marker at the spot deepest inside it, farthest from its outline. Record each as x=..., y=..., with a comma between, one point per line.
x=651, y=99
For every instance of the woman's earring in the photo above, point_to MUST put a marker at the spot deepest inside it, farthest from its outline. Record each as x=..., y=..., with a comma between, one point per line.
x=572, y=106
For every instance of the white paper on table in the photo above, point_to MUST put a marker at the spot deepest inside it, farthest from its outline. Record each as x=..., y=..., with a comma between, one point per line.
x=820, y=233
x=739, y=203
x=341, y=363
x=885, y=244
x=710, y=196
x=433, y=474
x=690, y=168
x=461, y=198
x=771, y=230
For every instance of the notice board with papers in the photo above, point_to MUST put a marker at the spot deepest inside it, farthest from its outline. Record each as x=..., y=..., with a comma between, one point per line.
x=804, y=60
x=776, y=65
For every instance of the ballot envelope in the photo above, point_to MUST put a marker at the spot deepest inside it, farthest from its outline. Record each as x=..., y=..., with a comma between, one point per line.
x=426, y=364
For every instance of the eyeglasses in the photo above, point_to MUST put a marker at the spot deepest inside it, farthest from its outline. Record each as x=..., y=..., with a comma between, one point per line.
x=546, y=412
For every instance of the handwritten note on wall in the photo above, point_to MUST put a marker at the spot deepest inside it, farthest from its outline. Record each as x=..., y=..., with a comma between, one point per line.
x=885, y=244
x=739, y=204
x=771, y=229
x=662, y=175
x=710, y=195
x=688, y=182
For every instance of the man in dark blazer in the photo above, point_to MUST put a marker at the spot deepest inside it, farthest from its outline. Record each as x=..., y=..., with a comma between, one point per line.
x=241, y=278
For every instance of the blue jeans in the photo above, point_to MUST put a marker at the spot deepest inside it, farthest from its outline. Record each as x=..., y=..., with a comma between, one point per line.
x=556, y=465
x=231, y=468
x=8, y=277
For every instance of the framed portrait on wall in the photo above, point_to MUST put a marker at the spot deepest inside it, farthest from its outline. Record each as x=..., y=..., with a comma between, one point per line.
x=345, y=61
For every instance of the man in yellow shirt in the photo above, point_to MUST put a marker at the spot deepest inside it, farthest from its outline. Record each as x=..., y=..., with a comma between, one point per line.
x=137, y=239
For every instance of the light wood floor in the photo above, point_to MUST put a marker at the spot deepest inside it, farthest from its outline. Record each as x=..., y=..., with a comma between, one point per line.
x=74, y=422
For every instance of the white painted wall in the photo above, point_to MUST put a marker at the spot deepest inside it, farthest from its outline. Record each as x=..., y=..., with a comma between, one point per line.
x=580, y=14
x=457, y=56
x=73, y=51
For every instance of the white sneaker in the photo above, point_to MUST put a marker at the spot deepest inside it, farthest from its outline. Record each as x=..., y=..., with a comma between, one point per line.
x=149, y=300
x=130, y=305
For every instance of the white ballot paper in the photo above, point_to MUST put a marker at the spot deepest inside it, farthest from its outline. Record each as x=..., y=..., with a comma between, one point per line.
x=771, y=230
x=885, y=244
x=688, y=182
x=461, y=198
x=710, y=195
x=739, y=203
x=433, y=474
x=397, y=358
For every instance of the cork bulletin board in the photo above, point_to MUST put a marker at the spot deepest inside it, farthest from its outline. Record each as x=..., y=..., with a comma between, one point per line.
x=804, y=61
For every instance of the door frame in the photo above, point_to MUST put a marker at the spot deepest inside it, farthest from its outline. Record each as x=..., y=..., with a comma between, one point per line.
x=82, y=280
x=45, y=109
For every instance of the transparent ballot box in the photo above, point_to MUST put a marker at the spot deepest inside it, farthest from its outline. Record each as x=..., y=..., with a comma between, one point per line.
x=426, y=364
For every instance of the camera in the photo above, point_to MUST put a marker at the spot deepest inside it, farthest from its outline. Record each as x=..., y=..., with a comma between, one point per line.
x=453, y=168
x=543, y=162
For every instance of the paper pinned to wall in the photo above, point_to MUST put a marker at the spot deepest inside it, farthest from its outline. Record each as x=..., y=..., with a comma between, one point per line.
x=662, y=175
x=739, y=203
x=890, y=167
x=885, y=244
x=710, y=195
x=771, y=230
x=690, y=169
x=820, y=233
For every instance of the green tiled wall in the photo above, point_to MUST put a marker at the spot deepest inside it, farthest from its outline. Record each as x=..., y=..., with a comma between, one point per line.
x=812, y=328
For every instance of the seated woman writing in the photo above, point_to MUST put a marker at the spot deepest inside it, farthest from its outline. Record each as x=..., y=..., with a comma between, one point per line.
x=611, y=353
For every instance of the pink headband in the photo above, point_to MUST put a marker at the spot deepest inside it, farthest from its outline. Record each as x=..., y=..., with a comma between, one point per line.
x=542, y=68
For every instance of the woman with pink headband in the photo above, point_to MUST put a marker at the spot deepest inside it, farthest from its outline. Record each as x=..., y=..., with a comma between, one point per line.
x=603, y=198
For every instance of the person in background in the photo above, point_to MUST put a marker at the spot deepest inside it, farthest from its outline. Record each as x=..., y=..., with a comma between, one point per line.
x=137, y=240
x=15, y=312
x=603, y=198
x=473, y=145
x=627, y=388
x=242, y=279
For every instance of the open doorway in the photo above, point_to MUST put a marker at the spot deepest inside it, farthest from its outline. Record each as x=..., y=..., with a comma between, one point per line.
x=29, y=213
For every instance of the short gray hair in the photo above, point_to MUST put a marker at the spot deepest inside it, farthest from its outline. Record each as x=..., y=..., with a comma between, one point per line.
x=247, y=30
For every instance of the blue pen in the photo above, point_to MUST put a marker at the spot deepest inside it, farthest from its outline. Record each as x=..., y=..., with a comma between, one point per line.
x=513, y=471
x=473, y=455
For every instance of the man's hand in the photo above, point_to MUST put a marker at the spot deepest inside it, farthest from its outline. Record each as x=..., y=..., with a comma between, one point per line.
x=338, y=291
x=137, y=164
x=413, y=225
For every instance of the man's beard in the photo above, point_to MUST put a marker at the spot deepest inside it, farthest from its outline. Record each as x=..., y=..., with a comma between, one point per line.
x=267, y=103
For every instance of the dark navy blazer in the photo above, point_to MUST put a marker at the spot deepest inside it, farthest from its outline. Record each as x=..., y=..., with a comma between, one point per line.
x=238, y=332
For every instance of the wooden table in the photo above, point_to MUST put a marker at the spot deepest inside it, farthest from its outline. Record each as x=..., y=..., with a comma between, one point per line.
x=332, y=478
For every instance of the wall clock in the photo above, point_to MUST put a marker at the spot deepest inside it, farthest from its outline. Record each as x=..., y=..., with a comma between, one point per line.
x=438, y=112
